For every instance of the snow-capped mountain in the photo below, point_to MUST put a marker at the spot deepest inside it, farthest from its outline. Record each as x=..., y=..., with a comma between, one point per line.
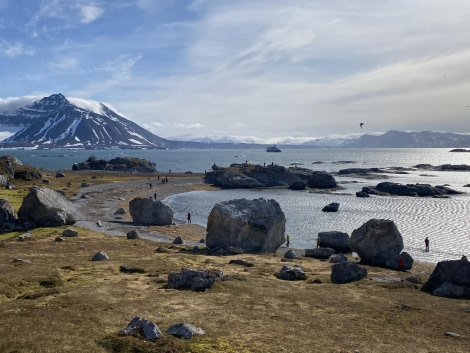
x=56, y=122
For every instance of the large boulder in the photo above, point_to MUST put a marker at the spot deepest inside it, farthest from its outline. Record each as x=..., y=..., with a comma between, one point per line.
x=376, y=241
x=319, y=253
x=338, y=241
x=450, y=279
x=345, y=272
x=252, y=225
x=147, y=211
x=8, y=217
x=321, y=180
x=195, y=280
x=44, y=207
x=421, y=190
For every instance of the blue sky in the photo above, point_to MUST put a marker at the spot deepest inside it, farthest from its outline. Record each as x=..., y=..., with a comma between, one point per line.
x=262, y=71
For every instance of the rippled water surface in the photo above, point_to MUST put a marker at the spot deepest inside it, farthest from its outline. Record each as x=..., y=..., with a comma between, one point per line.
x=445, y=221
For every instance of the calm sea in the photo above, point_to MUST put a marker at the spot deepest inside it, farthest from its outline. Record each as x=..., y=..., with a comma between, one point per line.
x=445, y=221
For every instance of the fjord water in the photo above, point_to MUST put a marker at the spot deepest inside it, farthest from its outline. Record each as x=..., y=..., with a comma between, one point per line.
x=445, y=221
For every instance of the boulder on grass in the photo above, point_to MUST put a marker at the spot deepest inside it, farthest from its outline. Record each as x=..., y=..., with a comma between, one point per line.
x=44, y=207
x=450, y=279
x=346, y=272
x=251, y=225
x=185, y=330
x=292, y=273
x=144, y=328
x=320, y=253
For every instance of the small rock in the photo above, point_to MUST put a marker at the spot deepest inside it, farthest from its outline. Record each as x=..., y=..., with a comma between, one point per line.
x=451, y=334
x=58, y=239
x=99, y=256
x=132, y=234
x=70, y=232
x=98, y=223
x=185, y=330
x=143, y=327
x=290, y=254
x=17, y=259
x=178, y=240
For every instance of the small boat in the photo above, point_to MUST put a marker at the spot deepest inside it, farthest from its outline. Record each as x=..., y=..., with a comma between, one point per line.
x=273, y=148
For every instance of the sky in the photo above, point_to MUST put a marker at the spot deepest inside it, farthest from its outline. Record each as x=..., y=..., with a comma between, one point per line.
x=252, y=70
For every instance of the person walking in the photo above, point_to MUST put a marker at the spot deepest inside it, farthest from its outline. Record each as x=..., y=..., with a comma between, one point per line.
x=318, y=242
x=287, y=240
x=426, y=244
x=189, y=217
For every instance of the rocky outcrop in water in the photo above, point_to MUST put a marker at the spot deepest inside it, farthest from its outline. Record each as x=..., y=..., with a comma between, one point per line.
x=414, y=190
x=121, y=164
x=251, y=225
x=250, y=176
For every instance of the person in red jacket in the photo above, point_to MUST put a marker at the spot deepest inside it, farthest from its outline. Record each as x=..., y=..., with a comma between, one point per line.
x=426, y=243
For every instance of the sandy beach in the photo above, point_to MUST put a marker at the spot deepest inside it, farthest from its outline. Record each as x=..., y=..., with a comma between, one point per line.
x=100, y=202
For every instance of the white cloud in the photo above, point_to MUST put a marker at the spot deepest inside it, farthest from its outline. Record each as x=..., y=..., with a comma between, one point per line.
x=11, y=104
x=15, y=49
x=90, y=13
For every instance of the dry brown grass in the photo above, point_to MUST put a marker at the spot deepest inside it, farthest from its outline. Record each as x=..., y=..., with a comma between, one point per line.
x=64, y=302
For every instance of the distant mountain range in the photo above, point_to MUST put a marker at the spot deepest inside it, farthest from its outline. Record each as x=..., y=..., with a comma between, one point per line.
x=56, y=122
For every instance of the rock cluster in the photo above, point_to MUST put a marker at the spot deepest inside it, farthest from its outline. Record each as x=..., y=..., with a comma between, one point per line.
x=251, y=225
x=415, y=190
x=195, y=280
x=250, y=176
x=12, y=168
x=122, y=164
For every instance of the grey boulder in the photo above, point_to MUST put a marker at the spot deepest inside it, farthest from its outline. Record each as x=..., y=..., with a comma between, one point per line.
x=44, y=207
x=147, y=211
x=346, y=272
x=376, y=241
x=251, y=225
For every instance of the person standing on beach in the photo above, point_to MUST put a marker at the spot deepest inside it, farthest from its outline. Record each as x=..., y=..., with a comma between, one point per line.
x=426, y=243
x=287, y=240
x=189, y=217
x=318, y=242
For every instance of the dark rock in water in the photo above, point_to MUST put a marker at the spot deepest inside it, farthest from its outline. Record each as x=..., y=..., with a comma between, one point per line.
x=46, y=208
x=147, y=211
x=362, y=194
x=332, y=207
x=321, y=180
x=338, y=241
x=298, y=185
x=320, y=253
x=421, y=190
x=122, y=164
x=295, y=273
x=376, y=241
x=449, y=279
x=346, y=272
x=185, y=330
x=248, y=176
x=142, y=327
x=251, y=225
